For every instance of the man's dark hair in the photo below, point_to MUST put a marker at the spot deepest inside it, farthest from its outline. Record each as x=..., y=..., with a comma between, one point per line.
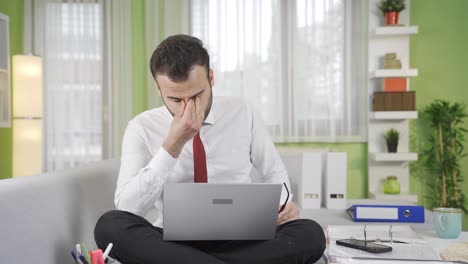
x=177, y=55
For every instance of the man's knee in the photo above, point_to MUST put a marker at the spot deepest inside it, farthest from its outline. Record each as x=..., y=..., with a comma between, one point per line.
x=312, y=239
x=107, y=227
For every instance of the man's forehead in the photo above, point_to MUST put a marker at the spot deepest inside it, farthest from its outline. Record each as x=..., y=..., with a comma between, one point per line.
x=181, y=89
x=182, y=95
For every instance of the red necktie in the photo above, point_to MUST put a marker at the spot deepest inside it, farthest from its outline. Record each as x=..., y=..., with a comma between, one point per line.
x=199, y=160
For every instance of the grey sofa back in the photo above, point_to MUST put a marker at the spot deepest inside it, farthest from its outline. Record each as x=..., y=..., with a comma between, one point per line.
x=43, y=217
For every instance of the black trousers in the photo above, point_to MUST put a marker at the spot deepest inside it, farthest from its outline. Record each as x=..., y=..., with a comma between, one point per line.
x=137, y=241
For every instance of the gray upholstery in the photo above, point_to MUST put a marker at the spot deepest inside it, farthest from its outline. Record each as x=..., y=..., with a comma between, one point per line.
x=43, y=217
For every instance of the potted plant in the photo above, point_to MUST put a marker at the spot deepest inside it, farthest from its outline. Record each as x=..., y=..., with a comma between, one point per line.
x=391, y=9
x=392, y=136
x=443, y=152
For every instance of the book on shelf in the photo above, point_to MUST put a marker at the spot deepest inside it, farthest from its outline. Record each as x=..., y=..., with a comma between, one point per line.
x=394, y=84
x=394, y=101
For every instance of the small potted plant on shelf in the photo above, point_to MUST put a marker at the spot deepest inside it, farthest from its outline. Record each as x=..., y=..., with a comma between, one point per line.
x=392, y=136
x=391, y=9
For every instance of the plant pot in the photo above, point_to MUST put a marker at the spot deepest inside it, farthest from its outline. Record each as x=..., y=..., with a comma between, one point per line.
x=392, y=147
x=391, y=18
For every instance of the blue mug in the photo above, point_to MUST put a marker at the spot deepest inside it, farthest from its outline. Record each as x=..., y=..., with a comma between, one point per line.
x=448, y=222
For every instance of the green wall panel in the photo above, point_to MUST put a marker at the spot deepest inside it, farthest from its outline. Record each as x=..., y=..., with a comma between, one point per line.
x=439, y=52
x=15, y=10
x=139, y=61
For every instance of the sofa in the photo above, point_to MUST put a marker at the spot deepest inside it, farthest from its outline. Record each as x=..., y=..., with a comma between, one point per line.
x=42, y=217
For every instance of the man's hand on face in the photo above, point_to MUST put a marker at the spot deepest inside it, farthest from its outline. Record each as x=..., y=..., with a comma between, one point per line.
x=291, y=212
x=188, y=120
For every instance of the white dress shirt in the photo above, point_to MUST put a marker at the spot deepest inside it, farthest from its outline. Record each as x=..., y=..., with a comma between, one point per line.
x=235, y=141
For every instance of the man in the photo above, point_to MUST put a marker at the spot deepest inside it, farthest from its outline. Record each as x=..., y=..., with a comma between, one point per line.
x=158, y=148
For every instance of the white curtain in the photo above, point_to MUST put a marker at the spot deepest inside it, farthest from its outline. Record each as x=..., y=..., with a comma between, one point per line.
x=87, y=77
x=298, y=62
x=73, y=81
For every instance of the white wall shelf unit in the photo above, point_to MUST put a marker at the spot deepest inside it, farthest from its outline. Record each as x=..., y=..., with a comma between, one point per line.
x=383, y=40
x=396, y=30
x=412, y=198
x=5, y=90
x=399, y=156
x=381, y=73
x=394, y=115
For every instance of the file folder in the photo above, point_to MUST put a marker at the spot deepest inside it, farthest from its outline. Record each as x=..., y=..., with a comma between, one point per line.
x=310, y=187
x=387, y=213
x=306, y=168
x=334, y=193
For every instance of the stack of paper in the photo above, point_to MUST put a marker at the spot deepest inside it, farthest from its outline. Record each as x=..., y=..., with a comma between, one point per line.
x=414, y=249
x=402, y=233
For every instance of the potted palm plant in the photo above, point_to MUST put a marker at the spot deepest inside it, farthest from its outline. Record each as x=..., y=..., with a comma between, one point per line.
x=392, y=136
x=443, y=152
x=391, y=9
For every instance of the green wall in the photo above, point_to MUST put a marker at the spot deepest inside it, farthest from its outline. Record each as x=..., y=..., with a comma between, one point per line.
x=15, y=10
x=440, y=53
x=139, y=61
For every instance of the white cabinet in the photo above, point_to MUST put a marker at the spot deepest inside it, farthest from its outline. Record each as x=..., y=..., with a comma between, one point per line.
x=5, y=91
x=382, y=40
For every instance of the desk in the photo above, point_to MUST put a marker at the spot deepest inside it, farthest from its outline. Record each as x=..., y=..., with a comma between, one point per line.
x=339, y=217
x=438, y=244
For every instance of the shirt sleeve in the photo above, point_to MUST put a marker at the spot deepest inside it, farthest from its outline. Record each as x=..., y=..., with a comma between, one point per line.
x=265, y=157
x=141, y=176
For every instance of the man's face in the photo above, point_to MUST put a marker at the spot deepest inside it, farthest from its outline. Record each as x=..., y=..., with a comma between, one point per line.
x=176, y=95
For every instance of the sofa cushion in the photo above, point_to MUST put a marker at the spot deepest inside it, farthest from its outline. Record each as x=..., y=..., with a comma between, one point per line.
x=44, y=216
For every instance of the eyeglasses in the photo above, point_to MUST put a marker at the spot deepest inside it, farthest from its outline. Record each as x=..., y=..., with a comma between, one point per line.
x=287, y=198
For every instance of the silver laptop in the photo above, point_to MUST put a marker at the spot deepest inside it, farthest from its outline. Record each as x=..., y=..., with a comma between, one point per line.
x=208, y=211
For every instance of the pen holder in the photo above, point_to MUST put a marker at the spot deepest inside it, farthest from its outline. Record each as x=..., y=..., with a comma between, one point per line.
x=96, y=256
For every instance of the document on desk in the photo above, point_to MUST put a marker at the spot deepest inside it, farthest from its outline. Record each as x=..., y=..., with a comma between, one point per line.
x=337, y=260
x=407, y=245
x=403, y=233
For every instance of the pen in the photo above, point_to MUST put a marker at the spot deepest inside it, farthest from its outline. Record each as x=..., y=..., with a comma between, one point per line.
x=85, y=252
x=107, y=251
x=78, y=249
x=83, y=259
x=74, y=256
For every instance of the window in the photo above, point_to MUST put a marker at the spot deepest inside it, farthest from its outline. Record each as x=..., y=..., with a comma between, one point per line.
x=300, y=63
x=73, y=70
